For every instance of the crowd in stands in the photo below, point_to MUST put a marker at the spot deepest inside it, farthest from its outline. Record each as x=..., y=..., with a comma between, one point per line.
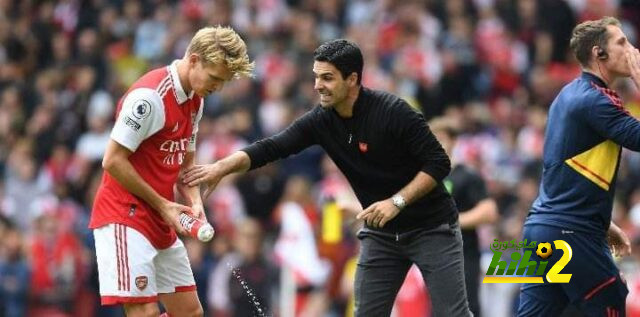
x=288, y=229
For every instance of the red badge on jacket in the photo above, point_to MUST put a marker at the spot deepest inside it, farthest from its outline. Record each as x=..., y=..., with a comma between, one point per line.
x=363, y=147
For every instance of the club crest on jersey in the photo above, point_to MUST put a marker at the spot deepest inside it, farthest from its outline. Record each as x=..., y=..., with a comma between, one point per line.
x=141, y=109
x=364, y=147
x=141, y=282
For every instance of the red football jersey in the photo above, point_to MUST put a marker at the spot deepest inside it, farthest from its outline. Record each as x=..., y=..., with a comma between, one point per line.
x=158, y=122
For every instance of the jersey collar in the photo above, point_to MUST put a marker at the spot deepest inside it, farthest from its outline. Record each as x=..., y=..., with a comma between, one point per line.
x=181, y=95
x=593, y=78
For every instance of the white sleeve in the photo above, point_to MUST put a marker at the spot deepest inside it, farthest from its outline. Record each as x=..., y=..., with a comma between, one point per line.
x=194, y=131
x=141, y=116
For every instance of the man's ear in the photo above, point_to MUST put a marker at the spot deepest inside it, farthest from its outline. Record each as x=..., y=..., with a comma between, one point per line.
x=599, y=53
x=193, y=59
x=353, y=79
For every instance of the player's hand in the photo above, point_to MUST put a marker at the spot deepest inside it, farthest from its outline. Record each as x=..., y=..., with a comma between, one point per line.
x=209, y=174
x=618, y=241
x=171, y=211
x=379, y=213
x=197, y=211
x=633, y=59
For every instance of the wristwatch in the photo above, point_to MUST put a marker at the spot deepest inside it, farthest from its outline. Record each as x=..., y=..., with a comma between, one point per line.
x=399, y=201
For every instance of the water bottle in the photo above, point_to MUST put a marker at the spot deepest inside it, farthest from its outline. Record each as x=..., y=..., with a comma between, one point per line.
x=198, y=229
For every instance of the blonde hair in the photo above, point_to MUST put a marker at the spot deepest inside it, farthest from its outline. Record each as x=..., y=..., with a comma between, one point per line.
x=218, y=44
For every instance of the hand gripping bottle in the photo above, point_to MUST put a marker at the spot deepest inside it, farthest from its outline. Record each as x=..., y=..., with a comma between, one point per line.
x=198, y=229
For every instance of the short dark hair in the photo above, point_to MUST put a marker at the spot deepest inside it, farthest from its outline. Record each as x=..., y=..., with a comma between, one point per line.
x=588, y=34
x=345, y=55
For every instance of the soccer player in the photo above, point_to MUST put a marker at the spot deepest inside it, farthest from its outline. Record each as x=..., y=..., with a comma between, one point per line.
x=395, y=166
x=586, y=130
x=134, y=217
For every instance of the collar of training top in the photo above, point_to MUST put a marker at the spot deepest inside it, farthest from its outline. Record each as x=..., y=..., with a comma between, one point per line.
x=593, y=78
x=357, y=106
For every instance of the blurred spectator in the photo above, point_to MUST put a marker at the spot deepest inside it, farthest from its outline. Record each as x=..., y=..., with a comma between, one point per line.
x=474, y=204
x=413, y=299
x=92, y=143
x=15, y=274
x=226, y=208
x=243, y=281
x=151, y=34
x=201, y=265
x=25, y=185
x=297, y=252
x=633, y=281
x=261, y=190
x=58, y=274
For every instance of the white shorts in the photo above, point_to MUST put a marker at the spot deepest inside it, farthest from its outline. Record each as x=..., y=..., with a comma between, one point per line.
x=131, y=270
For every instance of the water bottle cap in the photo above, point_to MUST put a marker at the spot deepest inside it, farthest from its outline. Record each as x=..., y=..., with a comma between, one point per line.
x=205, y=233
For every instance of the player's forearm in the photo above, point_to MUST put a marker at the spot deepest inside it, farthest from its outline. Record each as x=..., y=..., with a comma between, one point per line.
x=190, y=193
x=422, y=184
x=485, y=211
x=122, y=170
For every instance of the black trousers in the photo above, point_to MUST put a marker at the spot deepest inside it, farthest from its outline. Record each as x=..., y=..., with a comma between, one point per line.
x=386, y=258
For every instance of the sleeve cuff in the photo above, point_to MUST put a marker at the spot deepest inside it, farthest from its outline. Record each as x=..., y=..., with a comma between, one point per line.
x=436, y=172
x=251, y=151
x=129, y=144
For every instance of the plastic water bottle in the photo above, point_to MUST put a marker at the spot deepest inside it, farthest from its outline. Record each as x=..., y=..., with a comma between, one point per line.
x=198, y=229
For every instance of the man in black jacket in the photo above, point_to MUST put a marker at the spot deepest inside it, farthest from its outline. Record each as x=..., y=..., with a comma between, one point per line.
x=395, y=166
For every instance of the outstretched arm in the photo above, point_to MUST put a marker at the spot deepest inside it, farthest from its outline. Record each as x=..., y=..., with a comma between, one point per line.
x=211, y=174
x=297, y=137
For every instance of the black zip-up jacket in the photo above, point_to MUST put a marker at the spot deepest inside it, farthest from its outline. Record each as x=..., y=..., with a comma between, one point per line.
x=380, y=149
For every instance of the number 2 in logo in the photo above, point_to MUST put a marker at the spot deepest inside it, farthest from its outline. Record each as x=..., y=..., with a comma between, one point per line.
x=554, y=276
